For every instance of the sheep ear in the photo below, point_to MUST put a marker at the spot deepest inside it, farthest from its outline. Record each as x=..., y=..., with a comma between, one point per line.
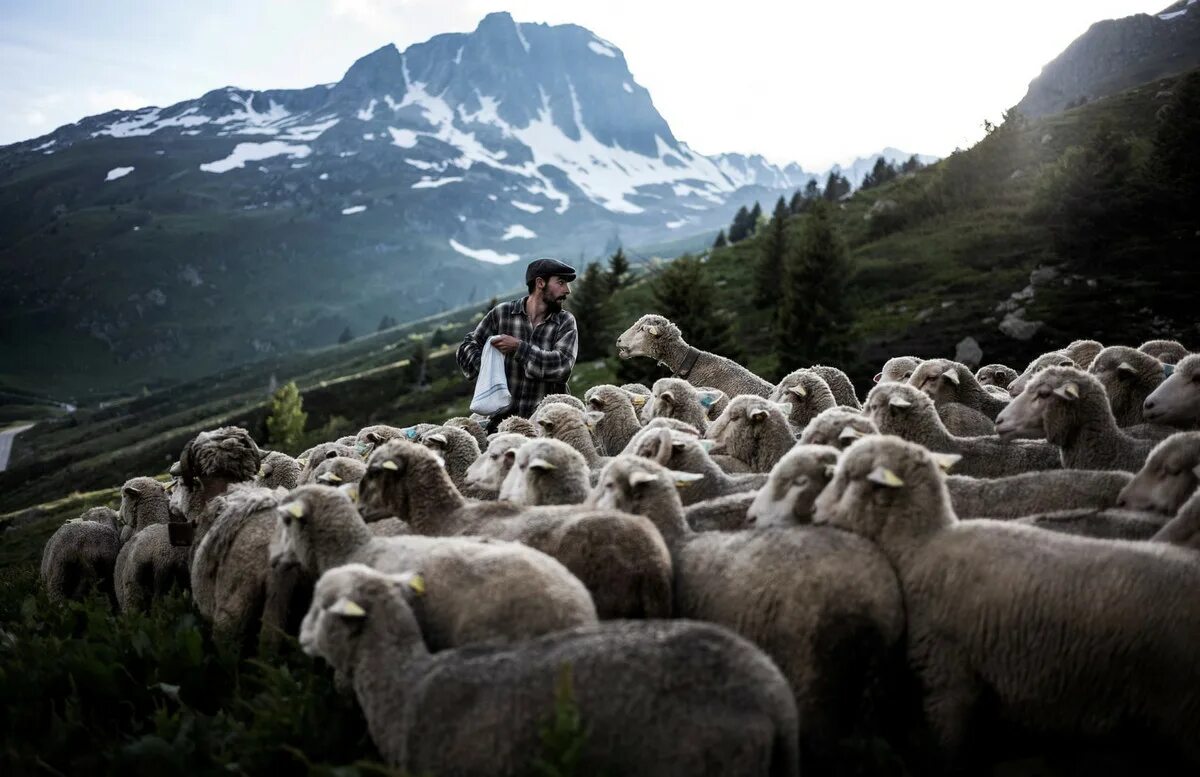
x=883, y=476
x=1126, y=367
x=131, y=492
x=436, y=437
x=653, y=330
x=175, y=470
x=542, y=465
x=1068, y=391
x=296, y=510
x=667, y=397
x=685, y=479
x=414, y=581
x=710, y=398
x=329, y=477
x=830, y=469
x=511, y=453
x=799, y=390
x=391, y=466
x=302, y=462
x=946, y=460
x=850, y=433
x=639, y=478
x=757, y=415
x=350, y=490
x=547, y=425
x=374, y=438
x=952, y=376
x=878, y=377
x=1168, y=370
x=638, y=400
x=899, y=401
x=347, y=609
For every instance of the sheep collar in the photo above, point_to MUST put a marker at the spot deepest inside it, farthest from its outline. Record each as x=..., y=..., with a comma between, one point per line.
x=689, y=362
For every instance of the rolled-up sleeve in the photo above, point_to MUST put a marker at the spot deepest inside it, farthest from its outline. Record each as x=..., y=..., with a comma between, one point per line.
x=471, y=350
x=555, y=363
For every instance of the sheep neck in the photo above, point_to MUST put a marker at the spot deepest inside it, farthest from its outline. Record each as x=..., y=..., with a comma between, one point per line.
x=439, y=501
x=666, y=513
x=383, y=674
x=776, y=440
x=337, y=538
x=580, y=439
x=1092, y=429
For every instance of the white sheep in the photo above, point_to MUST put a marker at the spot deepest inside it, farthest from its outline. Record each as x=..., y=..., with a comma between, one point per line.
x=618, y=420
x=1051, y=359
x=657, y=338
x=80, y=556
x=546, y=472
x=945, y=381
x=487, y=472
x=1128, y=376
x=278, y=470
x=753, y=430
x=1169, y=477
x=787, y=498
x=1176, y=401
x=678, y=399
x=839, y=383
x=1035, y=492
x=897, y=369
x=1067, y=635
x=807, y=393
x=684, y=453
x=996, y=375
x=1083, y=352
x=839, y=427
x=662, y=699
x=1166, y=351
x=147, y=566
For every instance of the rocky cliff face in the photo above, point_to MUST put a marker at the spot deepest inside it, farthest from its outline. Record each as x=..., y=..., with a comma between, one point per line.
x=1117, y=54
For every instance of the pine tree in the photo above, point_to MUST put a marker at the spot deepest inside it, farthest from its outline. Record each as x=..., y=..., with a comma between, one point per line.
x=418, y=361
x=756, y=215
x=796, y=206
x=812, y=190
x=739, y=229
x=814, y=313
x=618, y=270
x=911, y=165
x=285, y=424
x=881, y=173
x=770, y=258
x=346, y=336
x=686, y=294
x=720, y=242
x=441, y=336
x=387, y=322
x=836, y=187
x=590, y=304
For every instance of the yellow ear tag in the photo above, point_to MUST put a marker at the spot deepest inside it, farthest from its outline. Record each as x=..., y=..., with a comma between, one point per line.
x=330, y=477
x=885, y=477
x=347, y=609
x=638, y=400
x=296, y=509
x=389, y=464
x=417, y=583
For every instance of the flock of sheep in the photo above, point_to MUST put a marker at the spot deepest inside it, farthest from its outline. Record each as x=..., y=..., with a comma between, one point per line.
x=730, y=576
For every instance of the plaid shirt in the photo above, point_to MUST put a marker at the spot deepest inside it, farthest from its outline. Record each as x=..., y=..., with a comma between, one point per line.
x=542, y=363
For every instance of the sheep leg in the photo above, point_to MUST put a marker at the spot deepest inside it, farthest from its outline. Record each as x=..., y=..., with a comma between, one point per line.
x=951, y=695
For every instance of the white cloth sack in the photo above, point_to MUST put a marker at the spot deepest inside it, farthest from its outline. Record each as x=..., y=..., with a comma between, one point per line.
x=491, y=387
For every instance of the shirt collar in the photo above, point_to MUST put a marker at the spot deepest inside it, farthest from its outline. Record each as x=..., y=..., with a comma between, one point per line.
x=518, y=309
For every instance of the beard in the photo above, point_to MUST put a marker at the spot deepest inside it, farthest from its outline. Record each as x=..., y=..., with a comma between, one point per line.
x=553, y=304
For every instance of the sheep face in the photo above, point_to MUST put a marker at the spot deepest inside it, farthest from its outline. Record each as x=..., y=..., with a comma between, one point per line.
x=996, y=375
x=838, y=427
x=898, y=369
x=806, y=391
x=896, y=407
x=557, y=420
x=637, y=486
x=607, y=399
x=1169, y=477
x=229, y=453
x=737, y=430
x=384, y=489
x=1053, y=400
x=1176, y=401
x=793, y=485
x=1046, y=360
x=539, y=469
x=938, y=379
x=646, y=337
x=1166, y=351
x=1128, y=376
x=339, y=470
x=885, y=489
x=491, y=467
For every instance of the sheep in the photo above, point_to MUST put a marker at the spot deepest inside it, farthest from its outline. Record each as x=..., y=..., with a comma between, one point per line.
x=902, y=410
x=716, y=399
x=618, y=420
x=471, y=426
x=657, y=338
x=318, y=453
x=1035, y=492
x=1176, y=401
x=1128, y=377
x=839, y=383
x=786, y=499
x=997, y=375
x=684, y=453
x=620, y=558
x=788, y=590
x=457, y=448
x=635, y=390
x=755, y=431
x=1184, y=529
x=897, y=369
x=474, y=589
x=839, y=427
x=662, y=698
x=563, y=422
x=946, y=381
x=232, y=584
x=963, y=421
x=487, y=473
x=552, y=399
x=339, y=469
x=371, y=437
x=1051, y=359
x=807, y=393
x=80, y=557
x=278, y=470
x=721, y=513
x=1064, y=634
x=515, y=424
x=678, y=399
x=1083, y=352
x=546, y=472
x=1166, y=351
x=1169, y=477
x=1070, y=409
x=1109, y=524
x=148, y=565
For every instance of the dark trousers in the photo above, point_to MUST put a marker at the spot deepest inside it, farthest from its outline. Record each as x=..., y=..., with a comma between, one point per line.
x=495, y=420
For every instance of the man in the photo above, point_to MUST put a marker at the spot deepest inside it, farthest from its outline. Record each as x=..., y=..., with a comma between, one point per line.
x=538, y=338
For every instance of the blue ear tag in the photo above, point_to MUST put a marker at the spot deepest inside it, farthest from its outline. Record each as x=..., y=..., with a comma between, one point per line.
x=707, y=400
x=410, y=433
x=1168, y=370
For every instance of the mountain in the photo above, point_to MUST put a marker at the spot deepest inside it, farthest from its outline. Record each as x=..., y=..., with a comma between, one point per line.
x=144, y=247
x=855, y=171
x=1117, y=54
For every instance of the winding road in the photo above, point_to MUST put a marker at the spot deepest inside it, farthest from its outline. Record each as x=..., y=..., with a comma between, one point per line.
x=6, y=443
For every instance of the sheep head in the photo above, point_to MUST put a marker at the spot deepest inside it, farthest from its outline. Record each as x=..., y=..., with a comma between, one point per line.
x=143, y=501
x=306, y=517
x=807, y=393
x=1046, y=360
x=490, y=467
x=889, y=491
x=1166, y=351
x=636, y=485
x=546, y=471
x=1057, y=400
x=897, y=369
x=795, y=482
x=995, y=375
x=647, y=337
x=1083, y=352
x=394, y=471
x=942, y=380
x=1169, y=477
x=737, y=431
x=839, y=427
x=515, y=424
x=1176, y=401
x=896, y=407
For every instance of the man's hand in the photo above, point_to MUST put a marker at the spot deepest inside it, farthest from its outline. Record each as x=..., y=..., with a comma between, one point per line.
x=506, y=344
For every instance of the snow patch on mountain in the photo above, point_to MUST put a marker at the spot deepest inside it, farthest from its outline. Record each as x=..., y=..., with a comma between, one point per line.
x=484, y=254
x=521, y=37
x=368, y=113
x=402, y=137
x=431, y=183
x=255, y=152
x=310, y=132
x=525, y=206
x=518, y=231
x=625, y=85
x=118, y=172
x=601, y=49
x=353, y=209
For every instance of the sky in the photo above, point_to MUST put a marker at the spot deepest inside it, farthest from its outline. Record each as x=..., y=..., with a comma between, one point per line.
x=811, y=82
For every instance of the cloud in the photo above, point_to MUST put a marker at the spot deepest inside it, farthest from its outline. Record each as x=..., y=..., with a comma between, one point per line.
x=35, y=118
x=102, y=100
